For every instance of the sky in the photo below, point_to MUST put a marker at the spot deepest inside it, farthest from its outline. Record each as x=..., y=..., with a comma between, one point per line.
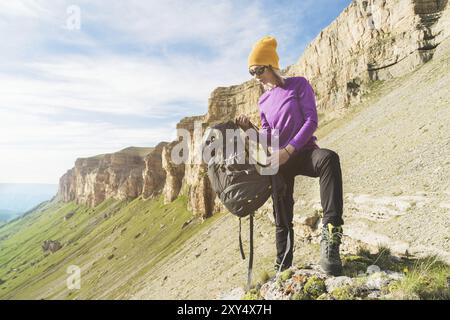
x=81, y=78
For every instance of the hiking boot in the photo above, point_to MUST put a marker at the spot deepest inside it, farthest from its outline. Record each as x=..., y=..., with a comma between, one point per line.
x=330, y=261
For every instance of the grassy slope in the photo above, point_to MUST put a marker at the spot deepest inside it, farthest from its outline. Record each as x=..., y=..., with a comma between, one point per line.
x=113, y=244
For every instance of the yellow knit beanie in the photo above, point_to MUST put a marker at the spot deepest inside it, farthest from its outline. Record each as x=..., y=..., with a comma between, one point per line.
x=264, y=53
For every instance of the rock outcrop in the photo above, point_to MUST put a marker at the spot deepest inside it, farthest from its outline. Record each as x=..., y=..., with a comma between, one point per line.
x=154, y=175
x=51, y=245
x=195, y=182
x=366, y=276
x=116, y=175
x=227, y=102
x=311, y=283
x=174, y=174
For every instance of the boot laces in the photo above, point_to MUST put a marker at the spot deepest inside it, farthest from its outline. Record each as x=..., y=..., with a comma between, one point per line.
x=332, y=236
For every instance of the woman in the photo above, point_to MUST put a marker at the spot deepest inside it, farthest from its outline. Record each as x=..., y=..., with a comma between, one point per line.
x=288, y=104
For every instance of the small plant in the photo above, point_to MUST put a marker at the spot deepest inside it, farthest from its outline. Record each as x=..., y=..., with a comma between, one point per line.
x=252, y=294
x=314, y=287
x=342, y=293
x=363, y=252
x=355, y=264
x=286, y=274
x=383, y=258
x=264, y=276
x=299, y=296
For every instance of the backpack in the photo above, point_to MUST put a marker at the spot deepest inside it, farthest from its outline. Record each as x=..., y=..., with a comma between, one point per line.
x=237, y=182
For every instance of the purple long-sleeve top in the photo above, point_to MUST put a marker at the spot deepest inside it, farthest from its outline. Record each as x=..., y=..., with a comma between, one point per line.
x=292, y=110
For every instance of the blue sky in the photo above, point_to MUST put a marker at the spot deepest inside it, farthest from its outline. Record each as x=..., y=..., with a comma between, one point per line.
x=129, y=73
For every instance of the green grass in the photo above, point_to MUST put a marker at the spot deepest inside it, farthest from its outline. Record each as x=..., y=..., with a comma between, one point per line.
x=357, y=263
x=115, y=244
x=426, y=279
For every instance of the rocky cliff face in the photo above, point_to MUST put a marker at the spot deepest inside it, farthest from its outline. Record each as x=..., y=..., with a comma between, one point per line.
x=117, y=175
x=154, y=175
x=369, y=41
x=174, y=174
x=195, y=182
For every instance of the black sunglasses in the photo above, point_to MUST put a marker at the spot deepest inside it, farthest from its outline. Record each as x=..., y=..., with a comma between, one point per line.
x=257, y=71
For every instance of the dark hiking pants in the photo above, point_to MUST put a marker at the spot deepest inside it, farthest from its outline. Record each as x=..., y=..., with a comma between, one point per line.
x=322, y=163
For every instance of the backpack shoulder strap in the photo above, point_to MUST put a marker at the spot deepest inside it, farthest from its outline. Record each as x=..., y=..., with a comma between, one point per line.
x=241, y=248
x=250, y=259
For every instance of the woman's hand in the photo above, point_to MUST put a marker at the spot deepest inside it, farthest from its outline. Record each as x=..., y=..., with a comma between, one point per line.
x=244, y=122
x=282, y=155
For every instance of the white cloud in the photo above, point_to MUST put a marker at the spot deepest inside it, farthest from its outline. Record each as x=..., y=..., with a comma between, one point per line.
x=33, y=149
